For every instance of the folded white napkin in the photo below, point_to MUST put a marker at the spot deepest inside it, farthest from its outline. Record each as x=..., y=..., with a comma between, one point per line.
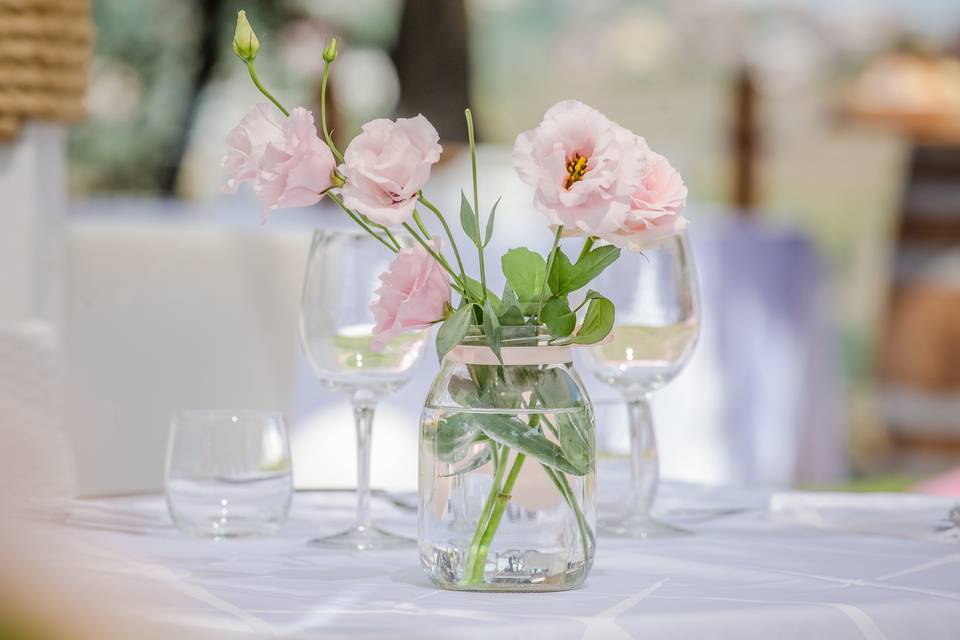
x=892, y=514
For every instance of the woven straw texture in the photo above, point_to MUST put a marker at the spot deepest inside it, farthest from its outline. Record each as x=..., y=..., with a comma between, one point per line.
x=44, y=56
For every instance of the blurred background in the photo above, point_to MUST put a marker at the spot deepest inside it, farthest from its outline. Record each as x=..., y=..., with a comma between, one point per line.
x=820, y=141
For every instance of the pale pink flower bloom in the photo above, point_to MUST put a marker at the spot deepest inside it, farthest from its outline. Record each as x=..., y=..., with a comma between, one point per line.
x=246, y=144
x=386, y=166
x=655, y=208
x=414, y=293
x=286, y=161
x=297, y=170
x=584, y=168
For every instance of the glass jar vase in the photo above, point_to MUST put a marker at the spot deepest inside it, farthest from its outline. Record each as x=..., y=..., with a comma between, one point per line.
x=507, y=470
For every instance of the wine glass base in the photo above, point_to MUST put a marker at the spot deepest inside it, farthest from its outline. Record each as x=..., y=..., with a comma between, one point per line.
x=640, y=526
x=364, y=538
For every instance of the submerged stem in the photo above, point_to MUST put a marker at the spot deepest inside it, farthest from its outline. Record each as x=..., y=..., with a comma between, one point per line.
x=500, y=467
x=503, y=497
x=560, y=482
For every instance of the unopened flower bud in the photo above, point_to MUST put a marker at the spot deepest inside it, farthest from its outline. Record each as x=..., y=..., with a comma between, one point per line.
x=245, y=42
x=330, y=51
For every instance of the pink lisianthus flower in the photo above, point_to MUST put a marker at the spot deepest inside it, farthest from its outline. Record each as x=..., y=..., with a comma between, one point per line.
x=584, y=168
x=296, y=171
x=655, y=207
x=286, y=161
x=246, y=144
x=414, y=293
x=386, y=166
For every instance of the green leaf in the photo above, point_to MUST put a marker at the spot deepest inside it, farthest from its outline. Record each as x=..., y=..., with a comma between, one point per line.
x=517, y=435
x=453, y=329
x=453, y=439
x=590, y=266
x=576, y=445
x=493, y=215
x=464, y=392
x=468, y=220
x=525, y=271
x=558, y=317
x=509, y=297
x=557, y=390
x=597, y=323
x=573, y=429
x=591, y=295
x=510, y=314
x=483, y=375
x=561, y=274
x=491, y=327
x=511, y=317
x=476, y=461
x=475, y=289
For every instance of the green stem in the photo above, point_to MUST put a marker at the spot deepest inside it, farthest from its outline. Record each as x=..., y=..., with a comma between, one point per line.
x=446, y=228
x=580, y=306
x=587, y=245
x=503, y=497
x=360, y=222
x=546, y=276
x=387, y=231
x=419, y=221
x=263, y=89
x=323, y=112
x=560, y=482
x=500, y=467
x=476, y=200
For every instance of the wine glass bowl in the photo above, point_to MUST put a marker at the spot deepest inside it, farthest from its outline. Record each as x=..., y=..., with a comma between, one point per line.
x=658, y=323
x=336, y=326
x=644, y=358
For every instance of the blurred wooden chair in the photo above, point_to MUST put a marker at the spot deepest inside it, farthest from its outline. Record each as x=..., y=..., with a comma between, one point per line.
x=920, y=350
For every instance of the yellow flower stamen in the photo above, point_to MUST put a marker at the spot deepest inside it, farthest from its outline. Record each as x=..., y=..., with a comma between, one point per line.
x=576, y=167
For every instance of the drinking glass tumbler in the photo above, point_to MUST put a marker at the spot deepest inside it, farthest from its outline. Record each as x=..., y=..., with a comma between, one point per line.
x=228, y=473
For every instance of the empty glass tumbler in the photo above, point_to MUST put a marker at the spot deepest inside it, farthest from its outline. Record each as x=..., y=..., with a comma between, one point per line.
x=228, y=473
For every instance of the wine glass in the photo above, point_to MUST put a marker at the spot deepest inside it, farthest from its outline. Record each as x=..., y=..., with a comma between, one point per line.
x=658, y=322
x=335, y=333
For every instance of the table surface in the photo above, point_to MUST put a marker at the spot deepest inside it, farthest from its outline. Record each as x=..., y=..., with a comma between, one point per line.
x=744, y=574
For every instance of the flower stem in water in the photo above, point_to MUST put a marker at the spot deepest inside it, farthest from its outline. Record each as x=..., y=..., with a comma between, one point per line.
x=503, y=497
x=500, y=467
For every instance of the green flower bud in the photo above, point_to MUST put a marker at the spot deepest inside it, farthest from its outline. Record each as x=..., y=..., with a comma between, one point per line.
x=245, y=42
x=330, y=51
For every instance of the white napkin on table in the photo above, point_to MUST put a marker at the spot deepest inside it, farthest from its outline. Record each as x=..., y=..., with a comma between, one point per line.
x=891, y=514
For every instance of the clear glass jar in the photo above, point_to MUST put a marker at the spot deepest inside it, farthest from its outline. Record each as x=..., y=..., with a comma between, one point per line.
x=507, y=470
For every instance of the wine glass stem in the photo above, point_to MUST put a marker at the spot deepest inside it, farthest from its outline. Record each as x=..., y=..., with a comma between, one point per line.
x=645, y=465
x=363, y=410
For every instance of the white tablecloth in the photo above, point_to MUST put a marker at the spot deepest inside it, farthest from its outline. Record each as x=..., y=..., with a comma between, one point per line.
x=746, y=573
